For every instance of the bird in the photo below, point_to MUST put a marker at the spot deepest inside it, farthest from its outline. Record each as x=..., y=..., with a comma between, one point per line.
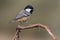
x=23, y=15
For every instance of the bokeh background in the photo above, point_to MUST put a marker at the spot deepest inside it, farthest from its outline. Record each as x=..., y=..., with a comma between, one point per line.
x=45, y=12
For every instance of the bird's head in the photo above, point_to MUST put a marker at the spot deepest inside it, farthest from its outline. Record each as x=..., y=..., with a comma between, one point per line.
x=29, y=8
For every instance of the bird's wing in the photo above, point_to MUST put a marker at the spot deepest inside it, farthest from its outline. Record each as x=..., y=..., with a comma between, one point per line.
x=20, y=14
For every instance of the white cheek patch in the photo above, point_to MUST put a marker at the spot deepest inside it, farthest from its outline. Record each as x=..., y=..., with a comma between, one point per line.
x=28, y=10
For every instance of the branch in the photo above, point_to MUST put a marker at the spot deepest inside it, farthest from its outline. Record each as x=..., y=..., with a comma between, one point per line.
x=16, y=36
x=19, y=28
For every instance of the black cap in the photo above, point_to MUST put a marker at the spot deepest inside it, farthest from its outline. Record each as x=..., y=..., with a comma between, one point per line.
x=29, y=6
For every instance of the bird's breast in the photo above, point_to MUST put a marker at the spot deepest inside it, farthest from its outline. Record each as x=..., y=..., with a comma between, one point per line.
x=23, y=19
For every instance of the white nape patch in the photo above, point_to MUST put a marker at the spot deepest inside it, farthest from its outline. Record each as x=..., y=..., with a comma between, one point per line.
x=28, y=10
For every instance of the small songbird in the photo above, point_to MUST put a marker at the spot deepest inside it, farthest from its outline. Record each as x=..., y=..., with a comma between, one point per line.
x=24, y=14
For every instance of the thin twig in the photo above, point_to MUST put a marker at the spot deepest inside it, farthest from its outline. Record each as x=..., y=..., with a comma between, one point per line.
x=34, y=26
x=16, y=36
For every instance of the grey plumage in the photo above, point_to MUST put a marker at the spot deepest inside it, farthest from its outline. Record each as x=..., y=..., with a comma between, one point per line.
x=21, y=14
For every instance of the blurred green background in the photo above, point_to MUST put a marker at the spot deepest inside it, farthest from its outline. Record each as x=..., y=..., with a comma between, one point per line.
x=45, y=12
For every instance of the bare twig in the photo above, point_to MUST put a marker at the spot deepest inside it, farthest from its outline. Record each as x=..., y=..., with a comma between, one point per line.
x=16, y=36
x=19, y=28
